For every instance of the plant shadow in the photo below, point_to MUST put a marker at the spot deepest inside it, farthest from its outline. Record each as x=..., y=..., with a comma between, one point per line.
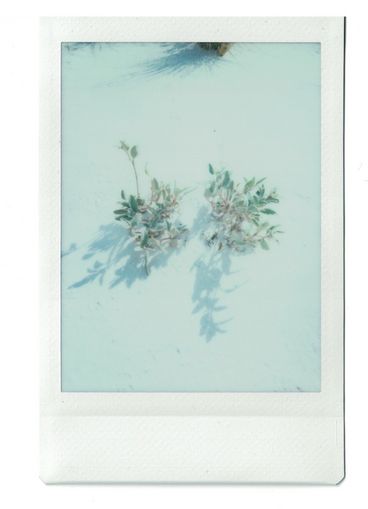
x=122, y=259
x=210, y=271
x=181, y=58
x=123, y=263
x=207, y=286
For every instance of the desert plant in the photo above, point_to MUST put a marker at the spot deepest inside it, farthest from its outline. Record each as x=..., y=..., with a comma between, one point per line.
x=152, y=222
x=237, y=213
x=220, y=47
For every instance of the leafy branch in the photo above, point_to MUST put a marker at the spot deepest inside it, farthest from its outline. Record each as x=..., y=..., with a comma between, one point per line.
x=238, y=211
x=152, y=222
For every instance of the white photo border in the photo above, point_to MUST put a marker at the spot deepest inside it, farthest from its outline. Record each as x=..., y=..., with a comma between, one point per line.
x=195, y=437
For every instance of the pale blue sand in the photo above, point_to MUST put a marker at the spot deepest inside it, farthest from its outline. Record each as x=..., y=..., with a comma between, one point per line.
x=199, y=321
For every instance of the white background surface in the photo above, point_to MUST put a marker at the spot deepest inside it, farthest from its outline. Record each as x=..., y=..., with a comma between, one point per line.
x=19, y=256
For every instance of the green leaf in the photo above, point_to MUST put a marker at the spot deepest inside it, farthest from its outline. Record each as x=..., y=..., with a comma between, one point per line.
x=260, y=181
x=249, y=184
x=210, y=169
x=264, y=244
x=124, y=146
x=134, y=152
x=268, y=211
x=123, y=195
x=119, y=211
x=154, y=185
x=133, y=203
x=226, y=180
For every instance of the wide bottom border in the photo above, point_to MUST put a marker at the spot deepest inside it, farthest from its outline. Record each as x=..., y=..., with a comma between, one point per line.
x=106, y=449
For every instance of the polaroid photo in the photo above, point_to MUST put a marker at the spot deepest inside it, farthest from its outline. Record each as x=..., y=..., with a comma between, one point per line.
x=192, y=233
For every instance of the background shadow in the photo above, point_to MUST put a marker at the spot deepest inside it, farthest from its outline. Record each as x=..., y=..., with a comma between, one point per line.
x=123, y=263
x=209, y=275
x=210, y=270
x=180, y=58
x=122, y=258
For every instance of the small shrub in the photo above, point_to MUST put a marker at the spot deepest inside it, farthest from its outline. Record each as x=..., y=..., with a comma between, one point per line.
x=152, y=221
x=238, y=211
x=220, y=47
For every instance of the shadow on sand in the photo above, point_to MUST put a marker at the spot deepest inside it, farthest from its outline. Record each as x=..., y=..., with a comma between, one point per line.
x=210, y=272
x=180, y=58
x=123, y=263
x=176, y=59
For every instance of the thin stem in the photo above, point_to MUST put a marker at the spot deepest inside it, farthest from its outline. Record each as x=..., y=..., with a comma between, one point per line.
x=136, y=177
x=146, y=264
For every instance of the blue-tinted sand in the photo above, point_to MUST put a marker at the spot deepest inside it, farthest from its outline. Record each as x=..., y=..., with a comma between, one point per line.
x=201, y=321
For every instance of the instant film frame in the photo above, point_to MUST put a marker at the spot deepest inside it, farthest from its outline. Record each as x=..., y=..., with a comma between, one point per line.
x=252, y=437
